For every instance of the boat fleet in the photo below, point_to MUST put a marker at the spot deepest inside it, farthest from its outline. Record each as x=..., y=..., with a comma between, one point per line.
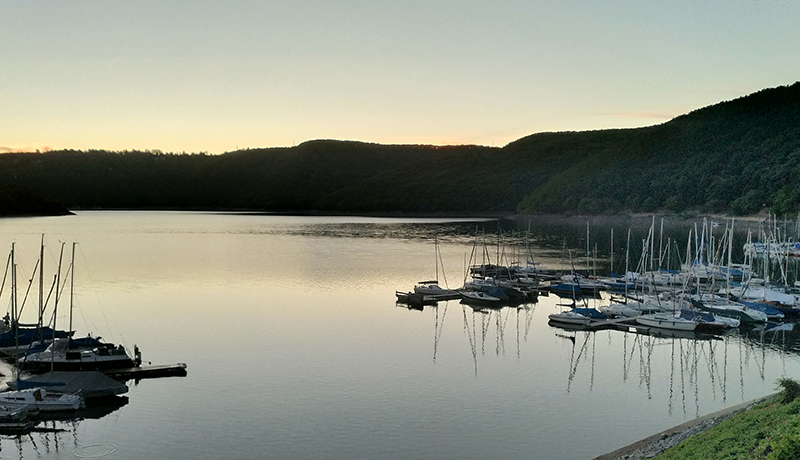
x=53, y=372
x=707, y=292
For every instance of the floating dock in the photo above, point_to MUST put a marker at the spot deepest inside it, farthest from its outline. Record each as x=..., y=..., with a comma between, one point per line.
x=148, y=372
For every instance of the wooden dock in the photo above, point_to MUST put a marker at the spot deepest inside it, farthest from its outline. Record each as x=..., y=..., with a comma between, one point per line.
x=148, y=372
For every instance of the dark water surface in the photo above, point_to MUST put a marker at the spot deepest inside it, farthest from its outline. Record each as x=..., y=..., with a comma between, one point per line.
x=296, y=349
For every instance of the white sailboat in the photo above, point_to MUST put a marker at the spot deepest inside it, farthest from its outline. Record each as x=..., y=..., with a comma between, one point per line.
x=666, y=321
x=40, y=399
x=432, y=288
x=84, y=354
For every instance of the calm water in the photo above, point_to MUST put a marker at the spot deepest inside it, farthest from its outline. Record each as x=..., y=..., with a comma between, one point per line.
x=296, y=349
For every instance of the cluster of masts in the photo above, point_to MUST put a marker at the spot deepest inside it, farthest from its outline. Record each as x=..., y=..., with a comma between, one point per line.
x=484, y=285
x=52, y=370
x=705, y=290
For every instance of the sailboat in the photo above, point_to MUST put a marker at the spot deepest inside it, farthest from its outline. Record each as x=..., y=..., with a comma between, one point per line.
x=84, y=354
x=17, y=337
x=431, y=287
x=666, y=320
x=40, y=399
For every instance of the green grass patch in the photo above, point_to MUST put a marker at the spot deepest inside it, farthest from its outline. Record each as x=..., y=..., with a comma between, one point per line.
x=769, y=431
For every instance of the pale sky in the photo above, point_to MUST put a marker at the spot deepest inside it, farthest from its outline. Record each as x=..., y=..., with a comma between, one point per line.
x=215, y=76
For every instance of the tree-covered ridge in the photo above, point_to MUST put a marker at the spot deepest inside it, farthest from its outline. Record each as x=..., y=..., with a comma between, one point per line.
x=21, y=201
x=739, y=157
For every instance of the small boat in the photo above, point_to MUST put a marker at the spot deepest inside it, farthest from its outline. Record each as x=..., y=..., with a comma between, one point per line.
x=89, y=384
x=629, y=309
x=41, y=399
x=576, y=285
x=19, y=338
x=479, y=296
x=14, y=420
x=571, y=317
x=771, y=312
x=667, y=321
x=414, y=299
x=718, y=305
x=432, y=288
x=707, y=321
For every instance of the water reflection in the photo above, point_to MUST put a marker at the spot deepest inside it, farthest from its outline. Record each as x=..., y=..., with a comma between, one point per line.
x=685, y=369
x=53, y=432
x=316, y=294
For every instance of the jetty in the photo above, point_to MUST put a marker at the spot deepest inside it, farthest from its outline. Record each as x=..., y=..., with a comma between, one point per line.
x=147, y=372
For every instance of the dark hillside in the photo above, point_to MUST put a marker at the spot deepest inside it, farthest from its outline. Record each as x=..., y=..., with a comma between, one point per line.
x=739, y=157
x=21, y=201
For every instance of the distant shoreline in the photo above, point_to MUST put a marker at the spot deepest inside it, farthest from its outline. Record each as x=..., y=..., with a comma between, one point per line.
x=639, y=219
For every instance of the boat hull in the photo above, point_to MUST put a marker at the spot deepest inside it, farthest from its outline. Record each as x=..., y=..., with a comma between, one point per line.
x=666, y=322
x=570, y=318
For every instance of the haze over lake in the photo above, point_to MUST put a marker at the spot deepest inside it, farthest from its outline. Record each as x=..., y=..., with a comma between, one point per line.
x=296, y=349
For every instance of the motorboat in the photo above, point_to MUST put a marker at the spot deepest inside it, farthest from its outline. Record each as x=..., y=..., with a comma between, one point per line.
x=64, y=355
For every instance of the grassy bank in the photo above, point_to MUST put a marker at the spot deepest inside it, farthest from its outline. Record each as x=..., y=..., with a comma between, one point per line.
x=770, y=430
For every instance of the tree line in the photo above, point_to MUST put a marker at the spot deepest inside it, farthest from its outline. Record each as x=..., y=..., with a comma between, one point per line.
x=738, y=157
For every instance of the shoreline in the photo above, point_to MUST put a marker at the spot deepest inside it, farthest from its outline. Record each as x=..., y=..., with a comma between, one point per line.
x=656, y=444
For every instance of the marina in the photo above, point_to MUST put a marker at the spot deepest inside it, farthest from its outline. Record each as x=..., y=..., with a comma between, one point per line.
x=298, y=317
x=50, y=370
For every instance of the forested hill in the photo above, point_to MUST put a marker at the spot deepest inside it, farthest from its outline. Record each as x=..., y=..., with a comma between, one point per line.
x=22, y=201
x=739, y=157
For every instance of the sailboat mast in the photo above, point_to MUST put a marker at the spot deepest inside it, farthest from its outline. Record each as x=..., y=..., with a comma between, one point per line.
x=14, y=312
x=612, y=251
x=55, y=307
x=71, y=286
x=58, y=285
x=627, y=254
x=41, y=290
x=588, y=266
x=660, y=241
x=652, y=241
x=436, y=256
x=13, y=286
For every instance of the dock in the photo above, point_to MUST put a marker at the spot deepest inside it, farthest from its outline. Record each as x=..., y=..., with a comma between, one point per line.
x=413, y=298
x=148, y=372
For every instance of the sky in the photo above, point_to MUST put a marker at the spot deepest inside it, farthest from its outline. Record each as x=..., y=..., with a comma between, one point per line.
x=214, y=76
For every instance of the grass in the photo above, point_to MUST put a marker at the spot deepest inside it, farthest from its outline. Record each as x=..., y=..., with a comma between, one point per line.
x=769, y=431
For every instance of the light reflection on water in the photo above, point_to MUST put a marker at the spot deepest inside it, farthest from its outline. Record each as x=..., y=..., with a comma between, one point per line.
x=296, y=348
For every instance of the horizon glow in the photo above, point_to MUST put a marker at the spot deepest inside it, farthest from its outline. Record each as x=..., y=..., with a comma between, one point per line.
x=203, y=76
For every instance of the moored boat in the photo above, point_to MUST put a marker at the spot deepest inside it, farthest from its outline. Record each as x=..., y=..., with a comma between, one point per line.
x=41, y=399
x=666, y=321
x=479, y=296
x=14, y=420
x=570, y=317
x=103, y=356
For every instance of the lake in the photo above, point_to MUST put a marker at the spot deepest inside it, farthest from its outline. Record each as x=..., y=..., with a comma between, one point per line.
x=296, y=348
